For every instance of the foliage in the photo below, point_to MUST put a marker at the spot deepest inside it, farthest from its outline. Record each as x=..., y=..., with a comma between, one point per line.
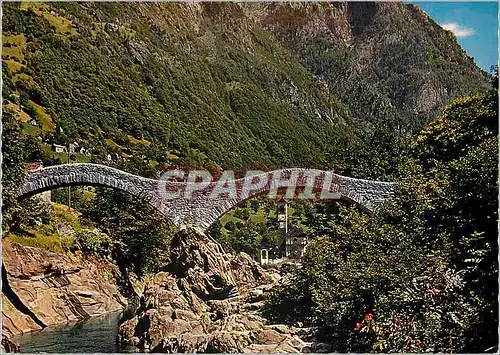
x=13, y=171
x=17, y=216
x=429, y=258
x=222, y=94
x=247, y=237
x=451, y=179
x=227, y=94
x=140, y=235
x=248, y=227
x=55, y=233
x=93, y=242
x=165, y=106
x=380, y=78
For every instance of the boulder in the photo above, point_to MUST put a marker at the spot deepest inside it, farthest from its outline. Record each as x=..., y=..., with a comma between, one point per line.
x=208, y=301
x=42, y=288
x=14, y=321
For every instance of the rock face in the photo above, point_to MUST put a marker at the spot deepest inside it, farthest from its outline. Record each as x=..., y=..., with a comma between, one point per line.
x=9, y=347
x=390, y=53
x=207, y=302
x=41, y=288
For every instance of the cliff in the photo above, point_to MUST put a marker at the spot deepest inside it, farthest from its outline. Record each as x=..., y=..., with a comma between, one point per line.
x=41, y=288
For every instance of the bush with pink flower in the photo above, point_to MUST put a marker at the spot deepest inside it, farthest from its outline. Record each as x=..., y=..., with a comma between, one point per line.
x=422, y=274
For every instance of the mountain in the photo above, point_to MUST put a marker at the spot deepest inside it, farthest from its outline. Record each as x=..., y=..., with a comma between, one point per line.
x=385, y=60
x=227, y=85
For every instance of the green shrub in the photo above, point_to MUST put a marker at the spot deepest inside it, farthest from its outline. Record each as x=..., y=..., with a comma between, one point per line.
x=429, y=257
x=93, y=242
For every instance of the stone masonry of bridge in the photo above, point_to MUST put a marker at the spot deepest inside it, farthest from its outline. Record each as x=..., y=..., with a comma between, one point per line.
x=202, y=208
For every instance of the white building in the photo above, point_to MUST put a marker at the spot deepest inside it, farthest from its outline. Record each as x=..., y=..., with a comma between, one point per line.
x=59, y=148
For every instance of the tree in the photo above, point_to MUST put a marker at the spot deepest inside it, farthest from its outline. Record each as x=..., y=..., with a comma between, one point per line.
x=451, y=179
x=429, y=258
x=16, y=149
x=140, y=235
x=12, y=171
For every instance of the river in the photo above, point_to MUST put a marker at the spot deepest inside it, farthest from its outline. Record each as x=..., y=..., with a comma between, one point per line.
x=96, y=335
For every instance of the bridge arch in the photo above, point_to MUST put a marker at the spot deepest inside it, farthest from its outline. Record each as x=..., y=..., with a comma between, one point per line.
x=203, y=209
x=81, y=174
x=367, y=194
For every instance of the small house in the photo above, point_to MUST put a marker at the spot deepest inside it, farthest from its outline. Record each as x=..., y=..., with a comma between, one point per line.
x=59, y=148
x=291, y=240
x=72, y=147
x=294, y=243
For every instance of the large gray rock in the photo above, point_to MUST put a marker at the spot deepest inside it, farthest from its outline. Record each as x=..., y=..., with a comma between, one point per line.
x=203, y=304
x=42, y=288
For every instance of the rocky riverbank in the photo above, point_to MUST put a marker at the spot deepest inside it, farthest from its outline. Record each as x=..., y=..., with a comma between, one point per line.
x=42, y=288
x=208, y=301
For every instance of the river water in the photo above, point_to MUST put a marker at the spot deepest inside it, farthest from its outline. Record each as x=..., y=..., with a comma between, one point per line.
x=96, y=335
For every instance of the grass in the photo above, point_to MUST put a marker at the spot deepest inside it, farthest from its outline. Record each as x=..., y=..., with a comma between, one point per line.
x=61, y=25
x=45, y=119
x=62, y=214
x=19, y=114
x=13, y=47
x=138, y=141
x=27, y=79
x=13, y=66
x=258, y=218
x=36, y=7
x=113, y=145
x=50, y=242
x=80, y=158
x=171, y=156
x=88, y=195
x=229, y=217
x=31, y=130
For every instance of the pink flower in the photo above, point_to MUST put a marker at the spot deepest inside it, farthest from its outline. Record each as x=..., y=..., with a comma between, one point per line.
x=368, y=317
x=358, y=326
x=410, y=323
x=434, y=292
x=417, y=342
x=397, y=320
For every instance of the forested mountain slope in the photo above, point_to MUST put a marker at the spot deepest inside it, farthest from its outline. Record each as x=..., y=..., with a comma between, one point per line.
x=226, y=85
x=343, y=86
x=387, y=61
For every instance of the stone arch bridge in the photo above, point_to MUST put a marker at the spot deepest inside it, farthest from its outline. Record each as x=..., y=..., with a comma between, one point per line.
x=203, y=203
